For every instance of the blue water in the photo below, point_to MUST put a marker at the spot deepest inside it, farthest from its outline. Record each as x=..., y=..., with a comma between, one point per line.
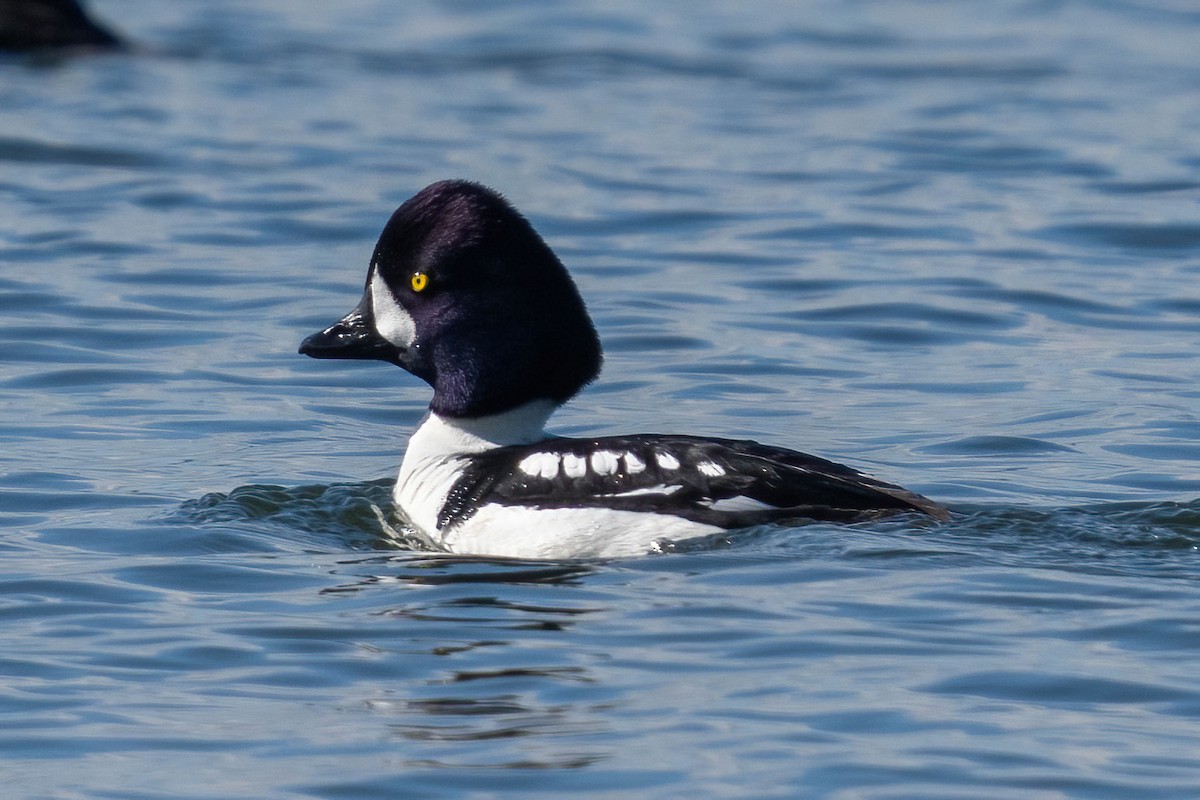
x=954, y=244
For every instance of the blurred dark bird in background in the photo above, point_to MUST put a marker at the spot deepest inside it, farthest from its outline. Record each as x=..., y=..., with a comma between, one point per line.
x=32, y=25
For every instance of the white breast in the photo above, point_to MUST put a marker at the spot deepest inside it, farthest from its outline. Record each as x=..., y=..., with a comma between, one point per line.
x=437, y=452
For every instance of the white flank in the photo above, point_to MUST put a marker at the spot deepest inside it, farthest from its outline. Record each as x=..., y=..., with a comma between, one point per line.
x=666, y=460
x=710, y=469
x=557, y=533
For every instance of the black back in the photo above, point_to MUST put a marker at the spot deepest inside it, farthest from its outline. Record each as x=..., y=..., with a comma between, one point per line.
x=787, y=484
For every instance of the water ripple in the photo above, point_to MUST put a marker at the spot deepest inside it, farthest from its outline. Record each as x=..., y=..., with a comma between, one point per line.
x=1170, y=237
x=943, y=244
x=26, y=151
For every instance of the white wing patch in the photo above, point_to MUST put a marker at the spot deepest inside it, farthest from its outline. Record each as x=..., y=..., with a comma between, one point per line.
x=574, y=466
x=601, y=462
x=605, y=462
x=540, y=465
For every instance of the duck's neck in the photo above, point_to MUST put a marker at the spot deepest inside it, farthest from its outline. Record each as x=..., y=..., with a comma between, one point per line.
x=520, y=425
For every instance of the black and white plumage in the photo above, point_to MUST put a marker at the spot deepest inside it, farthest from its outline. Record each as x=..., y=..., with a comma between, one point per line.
x=725, y=483
x=464, y=294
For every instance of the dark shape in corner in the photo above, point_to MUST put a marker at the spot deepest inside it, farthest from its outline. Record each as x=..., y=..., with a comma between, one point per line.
x=31, y=25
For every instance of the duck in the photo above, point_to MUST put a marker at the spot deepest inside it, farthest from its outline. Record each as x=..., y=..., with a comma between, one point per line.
x=40, y=25
x=465, y=295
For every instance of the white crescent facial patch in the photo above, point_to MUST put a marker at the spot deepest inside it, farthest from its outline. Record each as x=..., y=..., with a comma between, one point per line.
x=392, y=322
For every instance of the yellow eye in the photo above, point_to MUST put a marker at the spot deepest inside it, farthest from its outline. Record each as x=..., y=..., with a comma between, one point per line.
x=419, y=281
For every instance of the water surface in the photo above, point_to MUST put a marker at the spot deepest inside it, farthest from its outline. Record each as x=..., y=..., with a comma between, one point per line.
x=955, y=245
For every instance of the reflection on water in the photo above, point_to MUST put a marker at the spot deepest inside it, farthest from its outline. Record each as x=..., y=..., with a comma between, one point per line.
x=491, y=686
x=434, y=570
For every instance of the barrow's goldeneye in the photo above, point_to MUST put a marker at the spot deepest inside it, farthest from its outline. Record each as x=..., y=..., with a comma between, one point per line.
x=464, y=294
